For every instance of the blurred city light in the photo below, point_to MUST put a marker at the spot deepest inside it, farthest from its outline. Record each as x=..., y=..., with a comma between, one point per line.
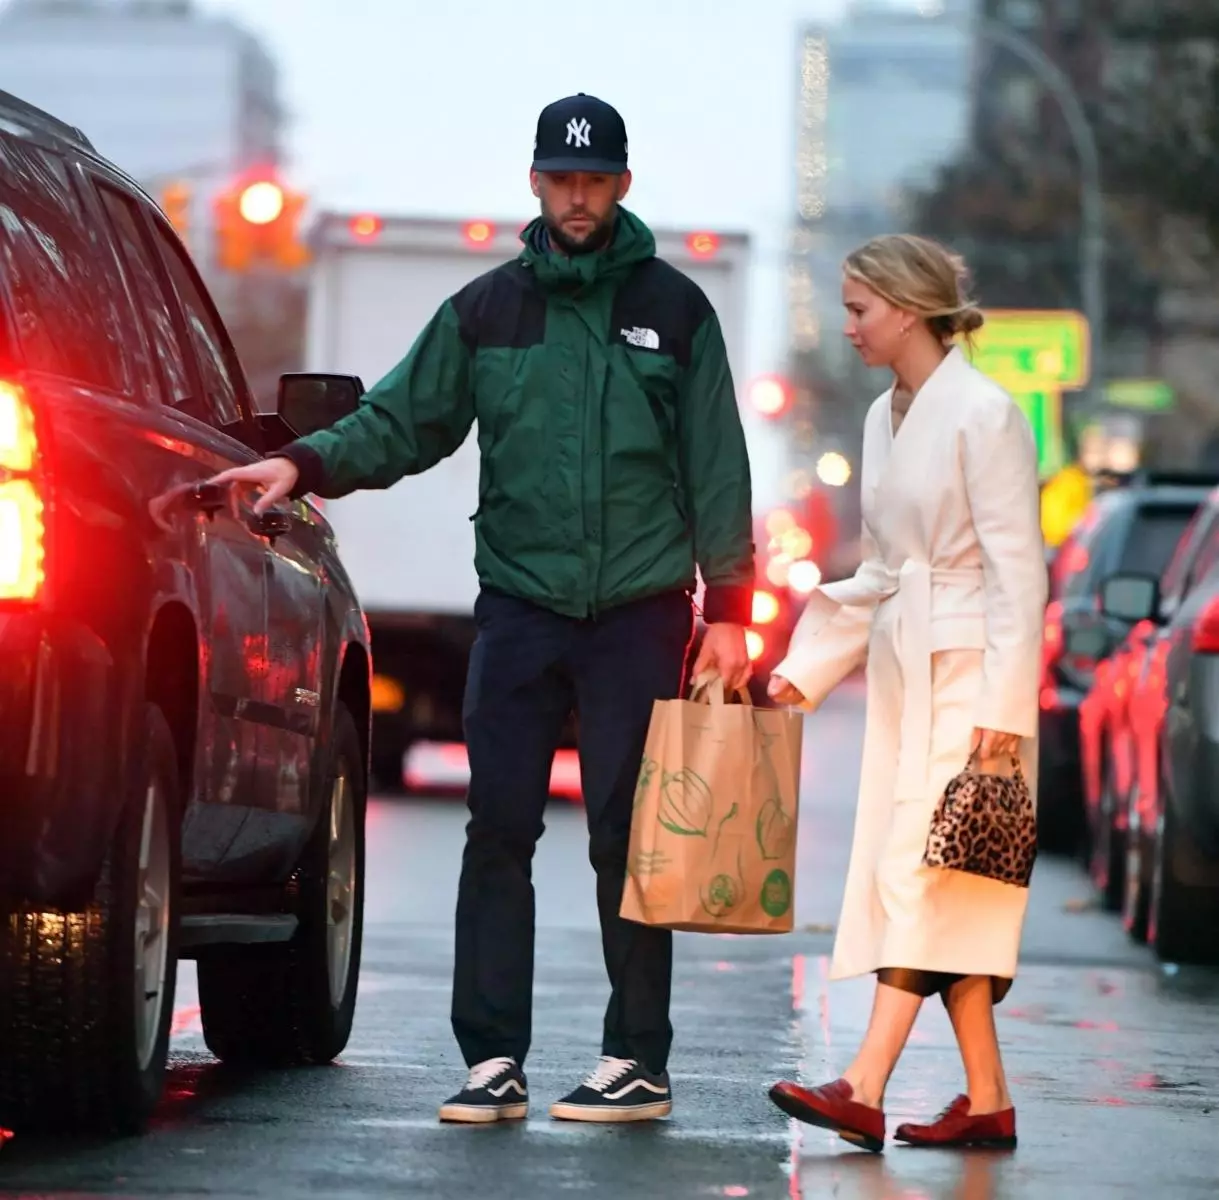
x=833, y=469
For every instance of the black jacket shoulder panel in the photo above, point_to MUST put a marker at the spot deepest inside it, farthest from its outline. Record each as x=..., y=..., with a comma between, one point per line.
x=659, y=308
x=501, y=308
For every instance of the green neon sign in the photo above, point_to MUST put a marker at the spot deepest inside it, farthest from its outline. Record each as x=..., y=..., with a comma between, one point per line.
x=1034, y=349
x=1036, y=355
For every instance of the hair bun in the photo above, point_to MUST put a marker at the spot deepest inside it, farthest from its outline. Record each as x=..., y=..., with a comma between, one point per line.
x=968, y=320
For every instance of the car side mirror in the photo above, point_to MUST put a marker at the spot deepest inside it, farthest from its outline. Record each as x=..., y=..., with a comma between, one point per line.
x=1130, y=598
x=309, y=401
x=306, y=402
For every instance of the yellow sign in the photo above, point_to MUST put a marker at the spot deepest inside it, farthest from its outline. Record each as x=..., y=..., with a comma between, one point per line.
x=1064, y=497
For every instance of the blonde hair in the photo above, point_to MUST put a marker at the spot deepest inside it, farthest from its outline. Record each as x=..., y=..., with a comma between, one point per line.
x=920, y=276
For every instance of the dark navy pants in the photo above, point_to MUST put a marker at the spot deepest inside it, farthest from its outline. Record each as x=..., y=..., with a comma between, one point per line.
x=529, y=669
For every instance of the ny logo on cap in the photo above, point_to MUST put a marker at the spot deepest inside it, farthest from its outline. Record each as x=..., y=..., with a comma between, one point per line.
x=579, y=132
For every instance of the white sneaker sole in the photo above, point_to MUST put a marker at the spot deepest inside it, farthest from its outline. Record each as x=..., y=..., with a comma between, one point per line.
x=610, y=1113
x=482, y=1114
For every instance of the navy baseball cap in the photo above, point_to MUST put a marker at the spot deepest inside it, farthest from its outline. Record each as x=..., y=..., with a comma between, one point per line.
x=580, y=133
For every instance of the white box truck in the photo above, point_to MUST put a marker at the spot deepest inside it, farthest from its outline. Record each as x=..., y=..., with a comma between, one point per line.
x=375, y=282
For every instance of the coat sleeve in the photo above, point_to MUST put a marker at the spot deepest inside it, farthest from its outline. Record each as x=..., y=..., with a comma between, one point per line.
x=716, y=480
x=417, y=415
x=830, y=640
x=1000, y=468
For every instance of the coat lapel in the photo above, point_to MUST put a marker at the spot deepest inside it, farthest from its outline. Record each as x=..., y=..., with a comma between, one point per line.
x=901, y=475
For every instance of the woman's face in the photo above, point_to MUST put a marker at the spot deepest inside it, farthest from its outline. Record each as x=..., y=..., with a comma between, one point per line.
x=873, y=325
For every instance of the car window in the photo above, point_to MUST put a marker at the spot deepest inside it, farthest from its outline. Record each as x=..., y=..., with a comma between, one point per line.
x=1208, y=555
x=150, y=295
x=213, y=350
x=68, y=319
x=1154, y=535
x=1092, y=553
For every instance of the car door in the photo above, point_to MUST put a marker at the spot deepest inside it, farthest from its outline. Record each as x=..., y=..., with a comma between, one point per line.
x=295, y=602
x=198, y=422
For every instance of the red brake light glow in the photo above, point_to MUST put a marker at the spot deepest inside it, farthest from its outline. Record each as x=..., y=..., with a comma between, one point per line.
x=479, y=234
x=703, y=245
x=21, y=507
x=755, y=644
x=365, y=227
x=1206, y=629
x=765, y=608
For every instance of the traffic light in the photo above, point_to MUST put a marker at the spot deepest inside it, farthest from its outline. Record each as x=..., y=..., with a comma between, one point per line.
x=258, y=223
x=175, y=204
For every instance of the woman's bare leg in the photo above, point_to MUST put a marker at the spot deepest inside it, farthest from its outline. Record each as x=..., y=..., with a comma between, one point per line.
x=971, y=1008
x=893, y=1015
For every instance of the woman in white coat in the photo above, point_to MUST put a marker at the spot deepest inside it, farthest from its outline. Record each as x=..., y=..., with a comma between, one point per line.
x=946, y=609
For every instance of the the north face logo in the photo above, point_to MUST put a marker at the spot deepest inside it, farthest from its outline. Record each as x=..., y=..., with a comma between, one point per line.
x=645, y=339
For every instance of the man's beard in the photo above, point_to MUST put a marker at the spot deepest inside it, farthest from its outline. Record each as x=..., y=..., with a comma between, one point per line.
x=597, y=239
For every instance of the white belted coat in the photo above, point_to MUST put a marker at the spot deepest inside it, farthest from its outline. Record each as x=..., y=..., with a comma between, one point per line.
x=947, y=609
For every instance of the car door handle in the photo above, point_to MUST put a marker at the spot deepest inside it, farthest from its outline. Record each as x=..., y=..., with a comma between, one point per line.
x=207, y=497
x=272, y=524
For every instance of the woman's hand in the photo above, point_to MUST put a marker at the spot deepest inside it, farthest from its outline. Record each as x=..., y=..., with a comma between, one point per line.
x=783, y=691
x=990, y=744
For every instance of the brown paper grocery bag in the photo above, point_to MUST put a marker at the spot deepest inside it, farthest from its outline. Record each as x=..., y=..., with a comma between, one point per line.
x=713, y=834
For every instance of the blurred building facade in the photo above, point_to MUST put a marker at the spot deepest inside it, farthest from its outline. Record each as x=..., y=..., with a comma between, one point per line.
x=167, y=92
x=882, y=102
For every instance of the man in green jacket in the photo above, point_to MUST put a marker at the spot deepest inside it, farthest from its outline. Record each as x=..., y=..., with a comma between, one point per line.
x=613, y=463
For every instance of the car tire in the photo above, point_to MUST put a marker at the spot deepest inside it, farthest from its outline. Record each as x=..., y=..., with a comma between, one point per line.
x=86, y=998
x=1183, y=921
x=1106, y=844
x=293, y=1004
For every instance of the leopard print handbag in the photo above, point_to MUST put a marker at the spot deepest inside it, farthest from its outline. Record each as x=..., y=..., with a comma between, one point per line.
x=985, y=824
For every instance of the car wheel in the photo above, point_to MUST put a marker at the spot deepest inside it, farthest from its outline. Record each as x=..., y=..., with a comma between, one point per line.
x=1107, y=851
x=86, y=998
x=290, y=1004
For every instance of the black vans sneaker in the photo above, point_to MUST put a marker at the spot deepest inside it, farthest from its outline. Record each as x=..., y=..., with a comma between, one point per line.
x=618, y=1090
x=495, y=1091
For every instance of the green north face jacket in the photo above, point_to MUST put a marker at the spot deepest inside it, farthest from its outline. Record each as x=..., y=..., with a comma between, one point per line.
x=613, y=458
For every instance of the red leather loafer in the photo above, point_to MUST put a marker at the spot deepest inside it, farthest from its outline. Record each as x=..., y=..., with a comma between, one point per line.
x=830, y=1107
x=955, y=1127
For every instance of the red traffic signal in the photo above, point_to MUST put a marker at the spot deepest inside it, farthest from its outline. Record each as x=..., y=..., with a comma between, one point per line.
x=258, y=222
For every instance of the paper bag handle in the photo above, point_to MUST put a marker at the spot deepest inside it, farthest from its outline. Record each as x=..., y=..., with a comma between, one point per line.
x=709, y=688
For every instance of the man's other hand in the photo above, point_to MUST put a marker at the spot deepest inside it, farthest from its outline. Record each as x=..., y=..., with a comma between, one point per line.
x=783, y=691
x=276, y=476
x=725, y=653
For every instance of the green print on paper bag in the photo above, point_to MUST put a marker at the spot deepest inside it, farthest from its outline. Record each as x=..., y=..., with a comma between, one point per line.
x=648, y=862
x=685, y=803
x=647, y=770
x=774, y=830
x=776, y=893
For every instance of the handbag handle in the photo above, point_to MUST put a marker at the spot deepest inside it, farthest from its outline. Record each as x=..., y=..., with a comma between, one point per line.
x=709, y=688
x=971, y=764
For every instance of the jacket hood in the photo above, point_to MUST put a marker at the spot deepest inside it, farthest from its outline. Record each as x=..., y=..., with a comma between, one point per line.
x=632, y=243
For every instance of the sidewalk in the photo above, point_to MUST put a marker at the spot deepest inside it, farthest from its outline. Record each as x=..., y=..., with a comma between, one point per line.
x=1115, y=1072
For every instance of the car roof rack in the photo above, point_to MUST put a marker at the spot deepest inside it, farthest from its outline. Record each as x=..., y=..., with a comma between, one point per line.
x=38, y=120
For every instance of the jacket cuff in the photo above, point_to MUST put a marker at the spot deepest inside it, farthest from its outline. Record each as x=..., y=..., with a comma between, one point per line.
x=311, y=471
x=730, y=604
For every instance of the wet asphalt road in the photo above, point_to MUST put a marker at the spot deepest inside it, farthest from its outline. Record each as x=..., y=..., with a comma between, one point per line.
x=1114, y=1062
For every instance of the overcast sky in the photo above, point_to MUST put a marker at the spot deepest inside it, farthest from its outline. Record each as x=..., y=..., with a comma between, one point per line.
x=419, y=108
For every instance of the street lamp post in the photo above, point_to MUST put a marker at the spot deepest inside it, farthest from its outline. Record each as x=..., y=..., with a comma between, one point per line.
x=1092, y=215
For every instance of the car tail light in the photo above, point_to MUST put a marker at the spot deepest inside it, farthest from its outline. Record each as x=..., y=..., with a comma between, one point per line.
x=1206, y=629
x=765, y=608
x=21, y=502
x=755, y=644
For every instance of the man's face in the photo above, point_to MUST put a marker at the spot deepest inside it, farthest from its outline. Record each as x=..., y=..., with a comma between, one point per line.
x=579, y=207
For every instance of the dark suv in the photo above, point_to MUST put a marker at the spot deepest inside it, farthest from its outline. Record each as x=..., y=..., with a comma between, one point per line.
x=184, y=686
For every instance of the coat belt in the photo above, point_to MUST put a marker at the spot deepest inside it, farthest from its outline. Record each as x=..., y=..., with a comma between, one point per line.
x=910, y=587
